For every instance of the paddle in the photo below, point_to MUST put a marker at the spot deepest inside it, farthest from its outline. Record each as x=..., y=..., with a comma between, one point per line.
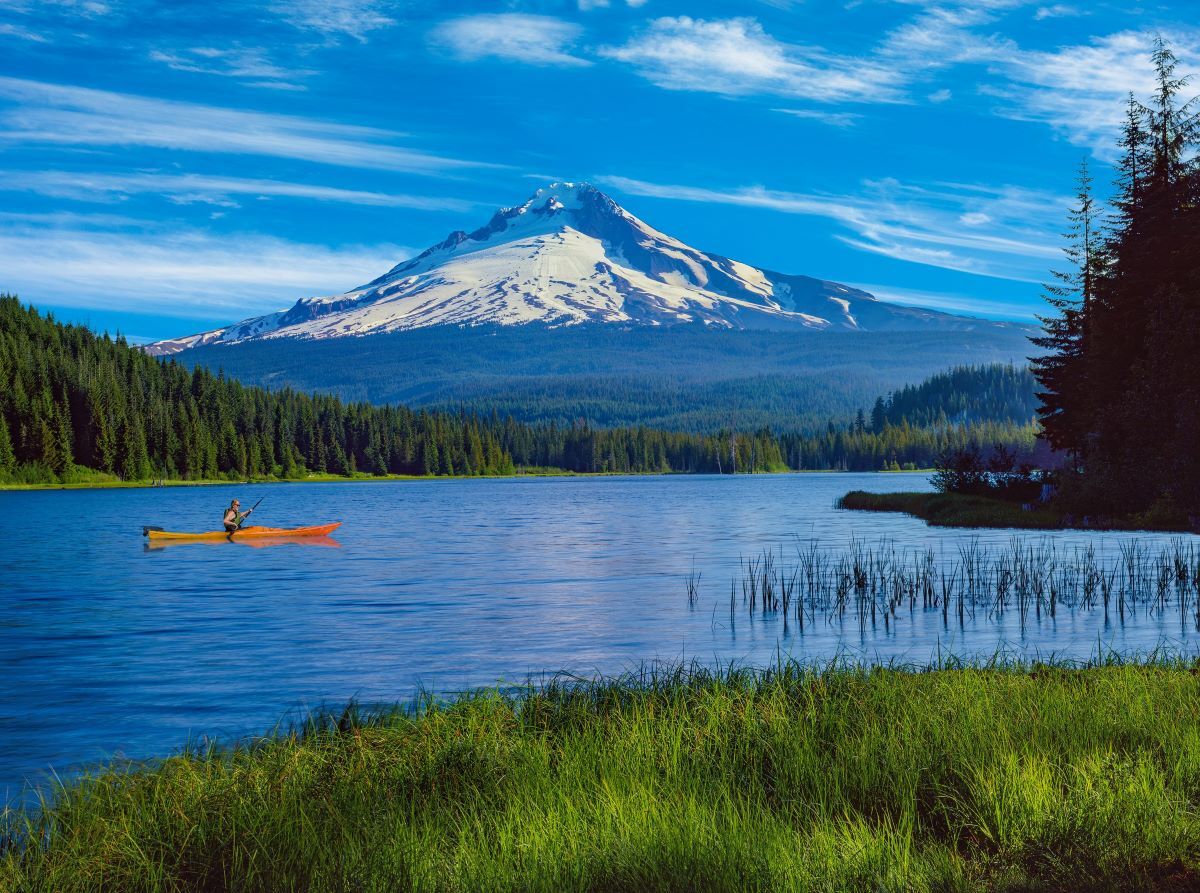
x=247, y=515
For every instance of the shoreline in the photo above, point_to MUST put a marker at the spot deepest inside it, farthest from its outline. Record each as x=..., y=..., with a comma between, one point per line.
x=971, y=777
x=962, y=510
x=400, y=478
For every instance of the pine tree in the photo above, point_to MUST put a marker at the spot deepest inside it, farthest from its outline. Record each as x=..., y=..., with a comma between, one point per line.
x=1062, y=371
x=135, y=463
x=63, y=440
x=8, y=459
x=430, y=460
x=878, y=415
x=1121, y=379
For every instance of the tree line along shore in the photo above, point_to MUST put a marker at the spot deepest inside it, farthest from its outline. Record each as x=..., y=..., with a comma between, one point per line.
x=85, y=408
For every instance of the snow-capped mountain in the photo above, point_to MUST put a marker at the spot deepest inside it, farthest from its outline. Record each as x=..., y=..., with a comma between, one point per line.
x=571, y=255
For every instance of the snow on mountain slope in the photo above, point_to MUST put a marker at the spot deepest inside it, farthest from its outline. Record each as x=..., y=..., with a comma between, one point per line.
x=571, y=255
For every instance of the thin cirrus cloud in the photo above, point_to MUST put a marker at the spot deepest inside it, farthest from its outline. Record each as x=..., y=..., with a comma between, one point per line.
x=1082, y=90
x=737, y=57
x=84, y=8
x=833, y=119
x=918, y=224
x=55, y=114
x=337, y=19
x=177, y=273
x=20, y=31
x=213, y=190
x=950, y=302
x=520, y=37
x=251, y=65
x=1057, y=11
x=588, y=5
x=1077, y=89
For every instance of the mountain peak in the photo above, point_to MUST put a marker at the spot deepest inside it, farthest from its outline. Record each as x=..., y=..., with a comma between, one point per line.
x=567, y=255
x=564, y=192
x=560, y=200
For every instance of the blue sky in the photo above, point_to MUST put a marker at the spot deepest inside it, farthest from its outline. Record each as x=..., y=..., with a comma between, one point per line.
x=165, y=168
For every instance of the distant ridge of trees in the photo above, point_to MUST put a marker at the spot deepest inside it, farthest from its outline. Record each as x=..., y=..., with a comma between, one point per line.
x=962, y=395
x=672, y=378
x=1120, y=372
x=79, y=405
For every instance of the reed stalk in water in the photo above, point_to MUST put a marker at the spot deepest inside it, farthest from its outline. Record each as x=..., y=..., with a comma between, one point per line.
x=875, y=585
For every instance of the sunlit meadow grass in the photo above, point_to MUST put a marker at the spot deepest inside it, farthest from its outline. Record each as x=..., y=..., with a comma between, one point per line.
x=969, y=778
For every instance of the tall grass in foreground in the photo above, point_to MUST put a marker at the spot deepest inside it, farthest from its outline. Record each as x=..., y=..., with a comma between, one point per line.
x=976, y=778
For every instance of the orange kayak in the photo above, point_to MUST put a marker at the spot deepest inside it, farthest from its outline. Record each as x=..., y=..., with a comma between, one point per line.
x=247, y=533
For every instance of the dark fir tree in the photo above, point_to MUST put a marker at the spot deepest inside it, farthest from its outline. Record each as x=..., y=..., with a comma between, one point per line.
x=1122, y=380
x=1061, y=371
x=8, y=460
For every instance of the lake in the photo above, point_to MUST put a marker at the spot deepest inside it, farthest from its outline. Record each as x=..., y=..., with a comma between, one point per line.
x=111, y=649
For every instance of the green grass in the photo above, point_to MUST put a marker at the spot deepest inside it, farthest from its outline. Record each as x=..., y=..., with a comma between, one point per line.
x=953, y=509
x=1001, y=778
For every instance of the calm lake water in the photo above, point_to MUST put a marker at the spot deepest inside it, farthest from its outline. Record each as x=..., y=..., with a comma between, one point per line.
x=111, y=649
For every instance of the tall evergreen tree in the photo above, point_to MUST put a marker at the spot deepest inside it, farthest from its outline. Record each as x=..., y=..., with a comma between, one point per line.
x=8, y=459
x=1122, y=379
x=1062, y=371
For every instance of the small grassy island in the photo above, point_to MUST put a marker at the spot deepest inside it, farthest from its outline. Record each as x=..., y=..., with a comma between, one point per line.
x=953, y=509
x=987, y=778
x=949, y=509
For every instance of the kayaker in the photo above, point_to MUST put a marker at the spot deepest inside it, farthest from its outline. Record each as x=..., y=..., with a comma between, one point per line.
x=233, y=518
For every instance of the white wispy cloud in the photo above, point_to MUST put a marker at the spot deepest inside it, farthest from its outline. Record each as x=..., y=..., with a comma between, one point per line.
x=82, y=8
x=335, y=19
x=953, y=302
x=1081, y=90
x=1058, y=10
x=46, y=21
x=252, y=64
x=589, y=5
x=833, y=119
x=916, y=223
x=198, y=188
x=939, y=37
x=55, y=114
x=736, y=57
x=181, y=272
x=1076, y=89
x=8, y=29
x=518, y=37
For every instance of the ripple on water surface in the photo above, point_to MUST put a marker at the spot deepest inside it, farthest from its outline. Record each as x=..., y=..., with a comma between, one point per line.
x=108, y=648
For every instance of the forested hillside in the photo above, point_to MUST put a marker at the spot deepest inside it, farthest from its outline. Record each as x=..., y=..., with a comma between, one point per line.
x=75, y=398
x=82, y=405
x=679, y=378
x=966, y=394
